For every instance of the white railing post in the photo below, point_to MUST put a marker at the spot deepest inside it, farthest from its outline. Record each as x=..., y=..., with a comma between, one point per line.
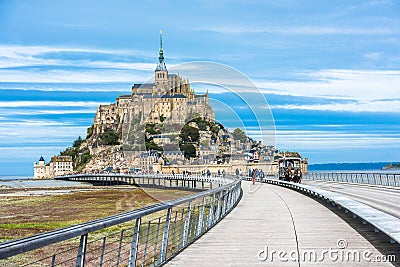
x=211, y=212
x=217, y=215
x=225, y=204
x=135, y=242
x=186, y=227
x=164, y=244
x=80, y=259
x=200, y=224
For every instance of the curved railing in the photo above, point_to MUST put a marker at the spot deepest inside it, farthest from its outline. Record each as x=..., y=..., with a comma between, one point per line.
x=173, y=181
x=383, y=179
x=380, y=220
x=147, y=236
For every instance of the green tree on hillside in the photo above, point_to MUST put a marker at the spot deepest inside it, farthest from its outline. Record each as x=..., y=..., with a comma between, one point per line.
x=109, y=137
x=162, y=118
x=79, y=156
x=153, y=146
x=77, y=142
x=189, y=134
x=89, y=132
x=189, y=150
x=239, y=134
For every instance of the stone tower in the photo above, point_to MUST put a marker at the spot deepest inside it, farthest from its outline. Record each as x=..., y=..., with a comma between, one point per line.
x=161, y=72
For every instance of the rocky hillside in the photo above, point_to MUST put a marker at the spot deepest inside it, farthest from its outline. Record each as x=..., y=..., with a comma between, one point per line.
x=198, y=137
x=105, y=157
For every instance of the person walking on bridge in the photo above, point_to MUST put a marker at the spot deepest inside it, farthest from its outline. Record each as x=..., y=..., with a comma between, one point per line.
x=261, y=175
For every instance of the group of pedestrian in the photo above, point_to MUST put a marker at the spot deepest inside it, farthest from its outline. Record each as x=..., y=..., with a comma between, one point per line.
x=206, y=173
x=293, y=175
x=256, y=173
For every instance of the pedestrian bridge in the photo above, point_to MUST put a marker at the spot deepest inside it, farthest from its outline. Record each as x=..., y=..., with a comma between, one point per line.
x=274, y=226
x=229, y=222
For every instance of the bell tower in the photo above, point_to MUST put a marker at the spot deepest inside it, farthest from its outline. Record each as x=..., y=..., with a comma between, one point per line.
x=161, y=72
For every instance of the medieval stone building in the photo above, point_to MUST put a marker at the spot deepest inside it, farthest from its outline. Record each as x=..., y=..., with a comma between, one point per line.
x=169, y=98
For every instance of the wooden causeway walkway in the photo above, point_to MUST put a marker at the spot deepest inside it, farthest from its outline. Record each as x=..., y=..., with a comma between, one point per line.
x=275, y=217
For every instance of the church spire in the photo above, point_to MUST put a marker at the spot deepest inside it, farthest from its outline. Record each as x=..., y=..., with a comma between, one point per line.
x=161, y=52
x=161, y=64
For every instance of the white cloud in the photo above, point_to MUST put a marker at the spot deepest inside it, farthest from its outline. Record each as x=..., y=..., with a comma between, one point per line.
x=372, y=56
x=119, y=65
x=375, y=106
x=88, y=70
x=39, y=131
x=361, y=85
x=89, y=110
x=50, y=104
x=77, y=76
x=301, y=30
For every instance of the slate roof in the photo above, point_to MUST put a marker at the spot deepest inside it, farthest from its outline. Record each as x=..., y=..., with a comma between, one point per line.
x=143, y=85
x=174, y=96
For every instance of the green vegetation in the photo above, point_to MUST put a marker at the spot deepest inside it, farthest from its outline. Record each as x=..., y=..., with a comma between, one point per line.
x=74, y=150
x=34, y=215
x=392, y=166
x=109, y=137
x=239, y=134
x=89, y=132
x=162, y=118
x=70, y=151
x=80, y=156
x=33, y=225
x=85, y=157
x=77, y=143
x=153, y=146
x=189, y=150
x=152, y=129
x=190, y=135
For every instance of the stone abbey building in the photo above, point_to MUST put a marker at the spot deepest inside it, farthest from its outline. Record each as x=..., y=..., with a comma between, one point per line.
x=169, y=98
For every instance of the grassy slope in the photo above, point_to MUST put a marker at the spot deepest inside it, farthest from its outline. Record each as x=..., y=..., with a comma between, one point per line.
x=25, y=216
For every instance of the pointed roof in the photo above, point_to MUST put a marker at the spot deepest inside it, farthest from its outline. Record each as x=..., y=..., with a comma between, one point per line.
x=41, y=158
x=161, y=64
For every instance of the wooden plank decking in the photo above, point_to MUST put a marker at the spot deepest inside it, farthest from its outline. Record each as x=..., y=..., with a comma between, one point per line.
x=273, y=217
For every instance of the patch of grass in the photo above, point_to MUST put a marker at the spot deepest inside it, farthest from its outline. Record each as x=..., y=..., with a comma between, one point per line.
x=30, y=215
x=35, y=225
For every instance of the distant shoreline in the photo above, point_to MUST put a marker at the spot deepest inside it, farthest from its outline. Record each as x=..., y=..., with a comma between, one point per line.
x=15, y=177
x=360, y=166
x=392, y=166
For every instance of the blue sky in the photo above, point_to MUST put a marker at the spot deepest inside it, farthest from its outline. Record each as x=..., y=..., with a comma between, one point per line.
x=330, y=70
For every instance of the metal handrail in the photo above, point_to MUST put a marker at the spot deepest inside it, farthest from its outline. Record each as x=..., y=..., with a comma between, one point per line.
x=228, y=193
x=382, y=221
x=382, y=179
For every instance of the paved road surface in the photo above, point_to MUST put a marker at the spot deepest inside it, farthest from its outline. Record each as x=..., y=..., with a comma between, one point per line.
x=386, y=199
x=279, y=219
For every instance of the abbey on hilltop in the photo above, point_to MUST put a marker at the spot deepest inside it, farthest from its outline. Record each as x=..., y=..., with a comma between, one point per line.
x=169, y=98
x=164, y=126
